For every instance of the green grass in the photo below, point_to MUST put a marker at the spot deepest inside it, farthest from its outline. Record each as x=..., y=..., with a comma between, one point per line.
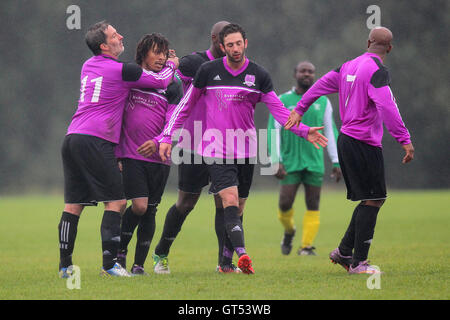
x=411, y=245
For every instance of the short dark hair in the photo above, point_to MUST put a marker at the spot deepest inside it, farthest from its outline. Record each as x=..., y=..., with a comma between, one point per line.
x=231, y=28
x=155, y=41
x=95, y=36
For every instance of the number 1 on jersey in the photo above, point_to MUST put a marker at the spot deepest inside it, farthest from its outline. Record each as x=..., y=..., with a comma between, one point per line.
x=83, y=87
x=350, y=78
x=97, y=88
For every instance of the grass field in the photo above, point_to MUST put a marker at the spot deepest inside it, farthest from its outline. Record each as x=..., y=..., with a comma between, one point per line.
x=411, y=245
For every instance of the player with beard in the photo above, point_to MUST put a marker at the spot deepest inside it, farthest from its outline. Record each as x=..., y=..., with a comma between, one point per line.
x=193, y=175
x=144, y=178
x=366, y=102
x=91, y=174
x=301, y=163
x=232, y=87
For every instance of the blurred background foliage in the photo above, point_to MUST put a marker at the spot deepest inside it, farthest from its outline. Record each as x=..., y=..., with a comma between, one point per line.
x=41, y=61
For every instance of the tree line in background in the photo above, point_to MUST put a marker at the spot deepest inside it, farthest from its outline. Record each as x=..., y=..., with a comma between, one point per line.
x=41, y=61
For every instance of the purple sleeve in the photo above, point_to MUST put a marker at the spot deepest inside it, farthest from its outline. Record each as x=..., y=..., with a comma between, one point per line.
x=387, y=108
x=169, y=112
x=328, y=84
x=281, y=114
x=156, y=80
x=180, y=114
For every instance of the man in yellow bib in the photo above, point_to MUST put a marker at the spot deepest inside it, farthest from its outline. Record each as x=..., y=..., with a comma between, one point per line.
x=300, y=163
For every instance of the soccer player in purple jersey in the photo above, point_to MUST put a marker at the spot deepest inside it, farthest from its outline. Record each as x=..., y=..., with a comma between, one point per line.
x=91, y=173
x=365, y=103
x=144, y=178
x=231, y=87
x=192, y=176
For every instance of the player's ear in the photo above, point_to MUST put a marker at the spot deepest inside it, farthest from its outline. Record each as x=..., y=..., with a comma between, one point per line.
x=222, y=47
x=389, y=48
x=104, y=47
x=245, y=43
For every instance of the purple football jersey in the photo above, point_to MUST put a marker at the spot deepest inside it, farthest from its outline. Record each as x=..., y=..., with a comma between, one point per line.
x=105, y=85
x=146, y=112
x=365, y=100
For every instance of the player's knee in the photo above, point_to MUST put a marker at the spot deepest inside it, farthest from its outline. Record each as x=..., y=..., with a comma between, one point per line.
x=74, y=209
x=230, y=199
x=122, y=205
x=374, y=203
x=186, y=202
x=185, y=207
x=312, y=203
x=117, y=206
x=285, y=204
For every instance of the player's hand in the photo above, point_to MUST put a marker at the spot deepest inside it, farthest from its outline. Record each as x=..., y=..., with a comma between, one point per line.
x=119, y=163
x=294, y=119
x=316, y=138
x=281, y=173
x=147, y=148
x=165, y=149
x=173, y=57
x=336, y=174
x=409, y=149
x=172, y=53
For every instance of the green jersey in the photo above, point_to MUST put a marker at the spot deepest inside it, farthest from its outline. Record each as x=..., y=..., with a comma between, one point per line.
x=299, y=154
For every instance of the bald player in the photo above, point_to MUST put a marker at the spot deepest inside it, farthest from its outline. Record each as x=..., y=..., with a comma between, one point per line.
x=366, y=102
x=192, y=177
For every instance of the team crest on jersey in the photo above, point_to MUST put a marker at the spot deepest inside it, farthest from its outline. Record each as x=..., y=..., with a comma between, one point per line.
x=249, y=80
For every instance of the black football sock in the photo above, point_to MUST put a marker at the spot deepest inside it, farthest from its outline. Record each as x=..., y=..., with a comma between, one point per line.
x=130, y=220
x=348, y=241
x=219, y=223
x=241, y=217
x=364, y=230
x=172, y=225
x=145, y=233
x=67, y=228
x=233, y=227
x=110, y=232
x=227, y=251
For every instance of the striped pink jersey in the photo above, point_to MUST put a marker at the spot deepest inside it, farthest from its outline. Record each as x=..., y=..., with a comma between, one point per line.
x=146, y=113
x=230, y=99
x=366, y=100
x=105, y=85
x=189, y=66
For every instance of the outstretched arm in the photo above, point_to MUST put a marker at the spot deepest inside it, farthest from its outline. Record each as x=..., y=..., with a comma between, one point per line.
x=281, y=114
x=328, y=84
x=136, y=77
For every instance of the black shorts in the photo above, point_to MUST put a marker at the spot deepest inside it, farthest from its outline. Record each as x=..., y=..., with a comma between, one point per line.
x=143, y=179
x=192, y=177
x=362, y=167
x=227, y=175
x=91, y=173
